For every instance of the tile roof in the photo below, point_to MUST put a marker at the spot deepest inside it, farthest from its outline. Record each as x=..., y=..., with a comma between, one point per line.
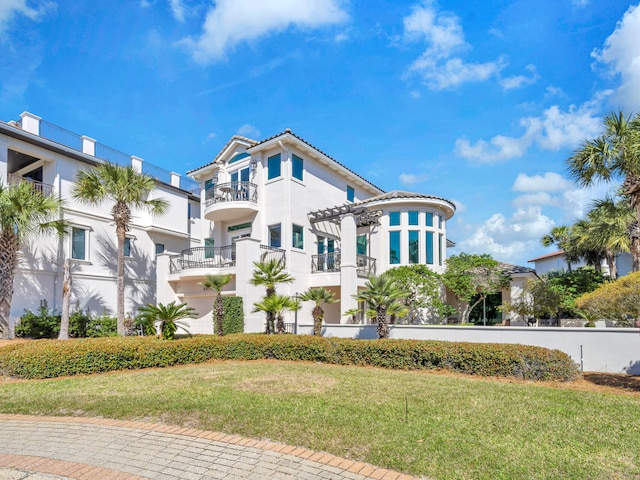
x=251, y=141
x=516, y=269
x=400, y=194
x=548, y=255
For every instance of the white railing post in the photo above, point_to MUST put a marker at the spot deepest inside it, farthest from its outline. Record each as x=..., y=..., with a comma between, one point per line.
x=88, y=146
x=30, y=123
x=136, y=163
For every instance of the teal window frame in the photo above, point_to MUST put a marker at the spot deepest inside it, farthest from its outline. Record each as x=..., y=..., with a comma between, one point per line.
x=395, y=252
x=78, y=243
x=297, y=236
x=209, y=243
x=361, y=244
x=239, y=156
x=394, y=219
x=275, y=235
x=351, y=194
x=159, y=248
x=414, y=218
x=127, y=247
x=440, y=244
x=414, y=246
x=429, y=219
x=274, y=167
x=297, y=167
x=429, y=247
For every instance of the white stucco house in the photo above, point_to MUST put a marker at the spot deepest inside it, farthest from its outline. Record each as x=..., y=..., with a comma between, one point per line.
x=557, y=262
x=279, y=197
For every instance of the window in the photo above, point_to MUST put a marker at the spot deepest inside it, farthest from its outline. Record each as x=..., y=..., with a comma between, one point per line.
x=208, y=247
x=241, y=226
x=297, y=167
x=361, y=245
x=244, y=175
x=394, y=219
x=414, y=252
x=429, y=244
x=441, y=222
x=78, y=243
x=273, y=167
x=127, y=247
x=351, y=194
x=234, y=177
x=239, y=156
x=275, y=236
x=429, y=219
x=413, y=218
x=209, y=188
x=440, y=243
x=159, y=248
x=320, y=245
x=394, y=247
x=297, y=239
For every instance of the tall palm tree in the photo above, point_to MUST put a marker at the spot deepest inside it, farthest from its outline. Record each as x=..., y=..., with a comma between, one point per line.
x=560, y=236
x=169, y=316
x=614, y=155
x=269, y=274
x=276, y=305
x=318, y=296
x=381, y=294
x=126, y=189
x=217, y=283
x=583, y=245
x=24, y=212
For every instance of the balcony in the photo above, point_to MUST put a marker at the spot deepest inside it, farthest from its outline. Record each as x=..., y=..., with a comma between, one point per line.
x=43, y=188
x=330, y=262
x=230, y=200
x=190, y=261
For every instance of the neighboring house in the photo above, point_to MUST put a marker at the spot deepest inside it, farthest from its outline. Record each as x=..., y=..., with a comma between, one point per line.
x=519, y=277
x=46, y=155
x=284, y=198
x=557, y=262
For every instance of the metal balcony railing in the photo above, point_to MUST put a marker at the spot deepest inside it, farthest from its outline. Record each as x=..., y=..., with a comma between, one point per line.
x=268, y=253
x=43, y=188
x=203, y=257
x=366, y=266
x=330, y=262
x=232, y=192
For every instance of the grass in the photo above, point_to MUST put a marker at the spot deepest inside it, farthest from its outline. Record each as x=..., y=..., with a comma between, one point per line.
x=439, y=426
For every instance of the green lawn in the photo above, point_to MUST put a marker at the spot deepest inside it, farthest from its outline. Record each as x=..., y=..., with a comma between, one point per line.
x=433, y=425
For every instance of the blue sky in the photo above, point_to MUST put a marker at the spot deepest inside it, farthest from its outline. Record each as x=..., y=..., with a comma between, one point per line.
x=480, y=102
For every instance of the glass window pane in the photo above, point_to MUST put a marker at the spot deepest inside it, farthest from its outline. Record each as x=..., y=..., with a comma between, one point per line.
x=244, y=175
x=394, y=219
x=208, y=247
x=351, y=194
x=127, y=247
x=429, y=244
x=394, y=247
x=320, y=245
x=440, y=244
x=297, y=167
x=273, y=167
x=159, y=248
x=78, y=243
x=361, y=245
x=275, y=238
x=429, y=219
x=298, y=237
x=414, y=253
x=413, y=218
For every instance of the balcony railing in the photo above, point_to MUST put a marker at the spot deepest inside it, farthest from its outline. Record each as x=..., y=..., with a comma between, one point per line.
x=330, y=262
x=232, y=192
x=43, y=188
x=203, y=257
x=268, y=253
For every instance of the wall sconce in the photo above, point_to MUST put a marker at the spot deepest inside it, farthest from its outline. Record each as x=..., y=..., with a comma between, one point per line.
x=254, y=165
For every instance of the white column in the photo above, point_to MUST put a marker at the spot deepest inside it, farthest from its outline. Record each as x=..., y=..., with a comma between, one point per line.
x=247, y=252
x=30, y=123
x=4, y=154
x=164, y=291
x=88, y=146
x=348, y=265
x=136, y=163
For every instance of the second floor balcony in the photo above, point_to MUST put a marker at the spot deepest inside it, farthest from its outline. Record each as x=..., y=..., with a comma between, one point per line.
x=232, y=199
x=43, y=188
x=331, y=262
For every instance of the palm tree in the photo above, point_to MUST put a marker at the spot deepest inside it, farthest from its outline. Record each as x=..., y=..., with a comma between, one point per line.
x=217, y=283
x=318, y=296
x=24, y=212
x=276, y=305
x=270, y=274
x=560, y=236
x=169, y=317
x=381, y=294
x=613, y=155
x=127, y=189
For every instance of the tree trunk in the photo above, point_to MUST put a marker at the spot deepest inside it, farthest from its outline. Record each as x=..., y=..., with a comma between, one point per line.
x=219, y=315
x=9, y=248
x=383, y=327
x=611, y=263
x=280, y=326
x=66, y=302
x=270, y=315
x=121, y=234
x=634, y=233
x=318, y=316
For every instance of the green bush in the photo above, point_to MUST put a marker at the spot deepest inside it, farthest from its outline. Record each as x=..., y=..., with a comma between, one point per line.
x=53, y=358
x=233, y=321
x=40, y=324
x=616, y=301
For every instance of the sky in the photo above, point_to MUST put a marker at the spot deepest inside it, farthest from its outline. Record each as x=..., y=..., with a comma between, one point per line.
x=479, y=102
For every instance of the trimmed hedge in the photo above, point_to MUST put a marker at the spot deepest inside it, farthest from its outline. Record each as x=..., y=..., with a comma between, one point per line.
x=233, y=321
x=54, y=358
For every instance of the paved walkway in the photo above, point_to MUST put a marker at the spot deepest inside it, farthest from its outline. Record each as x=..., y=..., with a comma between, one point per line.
x=48, y=448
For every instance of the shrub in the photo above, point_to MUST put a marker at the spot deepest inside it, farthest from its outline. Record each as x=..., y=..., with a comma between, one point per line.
x=40, y=324
x=233, y=315
x=53, y=358
x=618, y=301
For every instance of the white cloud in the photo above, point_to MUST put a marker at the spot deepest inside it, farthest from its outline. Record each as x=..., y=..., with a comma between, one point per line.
x=177, y=9
x=579, y=3
x=621, y=57
x=519, y=81
x=440, y=65
x=211, y=136
x=10, y=8
x=553, y=130
x=412, y=179
x=548, y=182
x=231, y=22
x=248, y=130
